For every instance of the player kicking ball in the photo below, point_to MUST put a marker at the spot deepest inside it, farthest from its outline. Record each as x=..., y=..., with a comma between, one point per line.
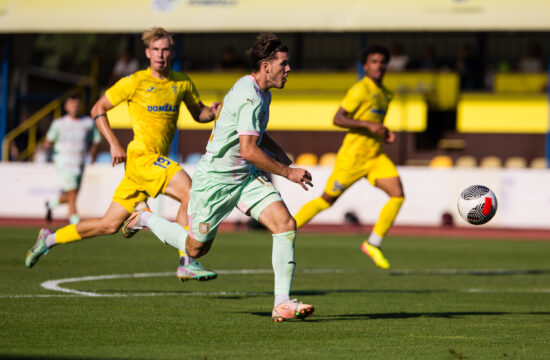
x=229, y=176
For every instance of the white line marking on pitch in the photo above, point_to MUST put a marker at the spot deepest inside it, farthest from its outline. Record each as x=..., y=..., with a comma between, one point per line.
x=54, y=285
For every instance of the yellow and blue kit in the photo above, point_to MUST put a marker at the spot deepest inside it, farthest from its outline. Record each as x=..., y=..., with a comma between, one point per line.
x=153, y=107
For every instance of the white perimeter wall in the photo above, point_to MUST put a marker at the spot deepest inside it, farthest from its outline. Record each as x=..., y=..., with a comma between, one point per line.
x=523, y=195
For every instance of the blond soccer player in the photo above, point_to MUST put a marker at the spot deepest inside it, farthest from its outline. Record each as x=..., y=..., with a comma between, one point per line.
x=362, y=112
x=154, y=97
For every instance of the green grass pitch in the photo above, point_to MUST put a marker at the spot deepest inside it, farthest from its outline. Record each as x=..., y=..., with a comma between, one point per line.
x=442, y=299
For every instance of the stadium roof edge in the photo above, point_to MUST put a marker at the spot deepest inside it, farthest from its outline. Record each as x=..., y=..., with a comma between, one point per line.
x=61, y=16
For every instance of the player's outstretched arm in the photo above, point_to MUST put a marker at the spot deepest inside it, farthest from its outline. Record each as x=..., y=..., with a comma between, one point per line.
x=204, y=114
x=99, y=114
x=253, y=154
x=279, y=154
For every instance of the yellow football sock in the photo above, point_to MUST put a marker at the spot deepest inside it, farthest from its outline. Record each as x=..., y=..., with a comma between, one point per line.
x=387, y=216
x=67, y=234
x=182, y=254
x=309, y=210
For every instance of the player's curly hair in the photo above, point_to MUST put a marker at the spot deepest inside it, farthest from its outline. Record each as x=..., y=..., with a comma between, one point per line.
x=154, y=34
x=374, y=49
x=265, y=48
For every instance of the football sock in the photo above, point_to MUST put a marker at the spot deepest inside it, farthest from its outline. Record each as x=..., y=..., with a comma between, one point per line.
x=387, y=216
x=53, y=203
x=143, y=218
x=168, y=232
x=280, y=299
x=375, y=240
x=67, y=234
x=282, y=259
x=309, y=210
x=50, y=241
x=184, y=258
x=74, y=219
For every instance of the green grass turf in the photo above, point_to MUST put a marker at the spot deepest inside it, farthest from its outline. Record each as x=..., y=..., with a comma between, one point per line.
x=434, y=303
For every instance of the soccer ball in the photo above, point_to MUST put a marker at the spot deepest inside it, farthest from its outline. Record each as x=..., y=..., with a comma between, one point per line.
x=477, y=204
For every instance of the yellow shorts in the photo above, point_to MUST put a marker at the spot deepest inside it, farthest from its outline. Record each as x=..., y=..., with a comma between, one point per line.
x=146, y=175
x=345, y=174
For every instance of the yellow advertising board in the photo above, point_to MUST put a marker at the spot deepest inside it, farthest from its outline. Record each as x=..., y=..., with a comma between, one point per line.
x=501, y=113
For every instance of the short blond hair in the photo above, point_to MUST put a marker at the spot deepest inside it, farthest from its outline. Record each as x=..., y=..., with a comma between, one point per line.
x=155, y=33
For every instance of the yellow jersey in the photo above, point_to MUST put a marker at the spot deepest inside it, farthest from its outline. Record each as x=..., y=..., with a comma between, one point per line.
x=364, y=101
x=153, y=107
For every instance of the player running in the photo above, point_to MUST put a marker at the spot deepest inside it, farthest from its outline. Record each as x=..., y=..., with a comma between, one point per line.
x=72, y=137
x=154, y=97
x=228, y=175
x=362, y=112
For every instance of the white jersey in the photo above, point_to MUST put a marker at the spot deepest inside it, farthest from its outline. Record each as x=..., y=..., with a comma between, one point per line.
x=245, y=111
x=71, y=140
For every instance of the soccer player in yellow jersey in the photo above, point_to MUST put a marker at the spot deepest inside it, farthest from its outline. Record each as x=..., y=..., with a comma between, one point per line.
x=154, y=97
x=362, y=112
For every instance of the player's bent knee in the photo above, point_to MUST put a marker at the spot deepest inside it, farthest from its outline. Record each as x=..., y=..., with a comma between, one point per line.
x=109, y=228
x=284, y=226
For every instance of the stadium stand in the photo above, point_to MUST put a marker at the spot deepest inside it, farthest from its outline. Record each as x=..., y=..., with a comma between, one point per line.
x=515, y=162
x=306, y=159
x=466, y=161
x=491, y=162
x=193, y=158
x=103, y=157
x=441, y=161
x=538, y=163
x=327, y=159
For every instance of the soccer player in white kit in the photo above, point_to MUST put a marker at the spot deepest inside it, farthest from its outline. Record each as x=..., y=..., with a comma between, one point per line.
x=229, y=176
x=72, y=137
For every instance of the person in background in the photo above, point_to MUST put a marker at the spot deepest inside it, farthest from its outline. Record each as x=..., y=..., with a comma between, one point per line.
x=71, y=137
x=125, y=65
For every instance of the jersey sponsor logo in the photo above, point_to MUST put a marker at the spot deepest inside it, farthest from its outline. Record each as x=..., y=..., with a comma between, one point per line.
x=151, y=89
x=163, y=108
x=378, y=111
x=204, y=228
x=175, y=89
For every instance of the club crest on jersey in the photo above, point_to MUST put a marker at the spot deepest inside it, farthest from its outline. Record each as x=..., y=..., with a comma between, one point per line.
x=163, y=108
x=204, y=228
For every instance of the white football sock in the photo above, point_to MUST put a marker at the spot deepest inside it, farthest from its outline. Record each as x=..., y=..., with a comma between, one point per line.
x=168, y=232
x=282, y=259
x=375, y=240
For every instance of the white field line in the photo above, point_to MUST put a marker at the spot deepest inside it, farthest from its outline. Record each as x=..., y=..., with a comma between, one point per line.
x=54, y=285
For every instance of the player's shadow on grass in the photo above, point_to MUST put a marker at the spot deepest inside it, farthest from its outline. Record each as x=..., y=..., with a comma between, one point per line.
x=494, y=272
x=233, y=295
x=441, y=315
x=404, y=315
x=46, y=357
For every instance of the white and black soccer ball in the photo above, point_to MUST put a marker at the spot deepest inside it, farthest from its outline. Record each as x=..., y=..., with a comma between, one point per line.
x=477, y=204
